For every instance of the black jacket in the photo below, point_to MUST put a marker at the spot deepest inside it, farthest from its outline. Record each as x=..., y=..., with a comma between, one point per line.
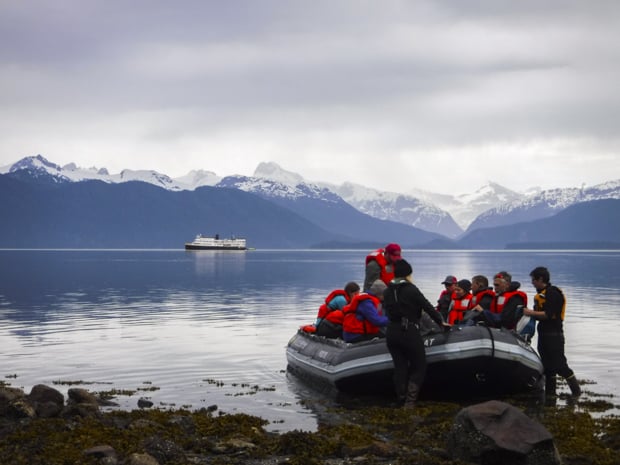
x=403, y=299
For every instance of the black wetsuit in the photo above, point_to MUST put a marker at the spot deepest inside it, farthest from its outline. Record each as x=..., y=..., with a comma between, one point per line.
x=551, y=300
x=403, y=304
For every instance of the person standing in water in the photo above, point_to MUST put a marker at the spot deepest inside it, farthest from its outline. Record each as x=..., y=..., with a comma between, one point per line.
x=549, y=310
x=404, y=303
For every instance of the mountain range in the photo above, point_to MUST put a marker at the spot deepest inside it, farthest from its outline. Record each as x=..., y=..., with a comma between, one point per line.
x=45, y=205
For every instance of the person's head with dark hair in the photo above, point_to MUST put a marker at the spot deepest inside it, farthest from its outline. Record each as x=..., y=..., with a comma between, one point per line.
x=540, y=277
x=402, y=269
x=463, y=287
x=351, y=288
x=481, y=281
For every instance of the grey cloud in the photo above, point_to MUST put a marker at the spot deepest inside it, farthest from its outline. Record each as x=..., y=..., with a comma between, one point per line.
x=395, y=75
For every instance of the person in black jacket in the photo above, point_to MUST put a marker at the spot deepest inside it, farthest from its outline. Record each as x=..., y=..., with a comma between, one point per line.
x=549, y=308
x=404, y=303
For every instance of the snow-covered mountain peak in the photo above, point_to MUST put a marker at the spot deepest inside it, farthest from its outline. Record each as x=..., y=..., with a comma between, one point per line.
x=399, y=207
x=490, y=193
x=198, y=178
x=274, y=172
x=270, y=188
x=543, y=204
x=150, y=176
x=37, y=162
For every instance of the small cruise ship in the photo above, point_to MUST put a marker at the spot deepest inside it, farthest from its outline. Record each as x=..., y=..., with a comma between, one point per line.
x=215, y=243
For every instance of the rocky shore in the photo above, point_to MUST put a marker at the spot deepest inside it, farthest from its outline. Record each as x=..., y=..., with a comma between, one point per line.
x=41, y=427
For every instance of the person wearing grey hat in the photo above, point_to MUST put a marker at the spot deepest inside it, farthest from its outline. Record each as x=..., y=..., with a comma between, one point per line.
x=404, y=303
x=443, y=302
x=377, y=288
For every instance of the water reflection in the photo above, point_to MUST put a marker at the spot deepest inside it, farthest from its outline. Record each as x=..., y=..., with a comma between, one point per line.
x=211, y=262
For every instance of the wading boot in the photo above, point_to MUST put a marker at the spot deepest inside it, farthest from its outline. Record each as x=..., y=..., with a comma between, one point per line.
x=573, y=384
x=550, y=387
x=413, y=390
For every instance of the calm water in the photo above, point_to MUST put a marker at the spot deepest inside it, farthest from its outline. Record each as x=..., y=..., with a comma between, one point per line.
x=200, y=328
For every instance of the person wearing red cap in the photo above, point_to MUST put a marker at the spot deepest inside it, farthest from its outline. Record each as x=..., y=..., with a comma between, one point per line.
x=380, y=265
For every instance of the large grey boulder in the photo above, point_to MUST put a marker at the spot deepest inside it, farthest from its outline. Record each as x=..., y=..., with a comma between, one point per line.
x=497, y=433
x=48, y=402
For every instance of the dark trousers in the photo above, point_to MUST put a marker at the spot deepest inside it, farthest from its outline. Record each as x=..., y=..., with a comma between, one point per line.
x=407, y=350
x=551, y=350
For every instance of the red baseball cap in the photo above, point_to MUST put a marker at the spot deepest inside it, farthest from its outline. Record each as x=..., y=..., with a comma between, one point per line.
x=393, y=250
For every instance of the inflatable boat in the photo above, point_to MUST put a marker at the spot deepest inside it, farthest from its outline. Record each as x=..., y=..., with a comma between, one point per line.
x=466, y=361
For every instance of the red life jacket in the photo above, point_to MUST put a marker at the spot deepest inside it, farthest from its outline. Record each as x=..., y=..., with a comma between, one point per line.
x=332, y=314
x=351, y=324
x=500, y=300
x=379, y=257
x=458, y=307
x=477, y=298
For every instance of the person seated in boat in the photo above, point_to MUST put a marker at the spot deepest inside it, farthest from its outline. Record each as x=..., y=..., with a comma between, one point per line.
x=482, y=294
x=380, y=265
x=460, y=301
x=446, y=296
x=507, y=305
x=330, y=317
x=363, y=317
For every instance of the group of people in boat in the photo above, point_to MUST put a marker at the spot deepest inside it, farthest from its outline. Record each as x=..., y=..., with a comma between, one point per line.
x=390, y=305
x=351, y=314
x=468, y=302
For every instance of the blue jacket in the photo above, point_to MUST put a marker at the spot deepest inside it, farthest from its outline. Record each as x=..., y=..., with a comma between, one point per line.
x=366, y=311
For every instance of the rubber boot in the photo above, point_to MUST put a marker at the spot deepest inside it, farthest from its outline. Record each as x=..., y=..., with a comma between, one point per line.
x=401, y=393
x=550, y=385
x=550, y=390
x=413, y=390
x=573, y=384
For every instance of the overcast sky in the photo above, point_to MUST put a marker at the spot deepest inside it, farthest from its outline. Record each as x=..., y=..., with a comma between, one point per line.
x=436, y=95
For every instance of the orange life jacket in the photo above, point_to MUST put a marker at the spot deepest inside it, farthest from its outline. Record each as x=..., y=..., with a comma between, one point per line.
x=476, y=298
x=458, y=307
x=351, y=324
x=500, y=300
x=379, y=257
x=332, y=314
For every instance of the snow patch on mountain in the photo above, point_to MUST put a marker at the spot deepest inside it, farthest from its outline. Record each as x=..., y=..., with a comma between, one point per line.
x=197, y=178
x=465, y=208
x=402, y=208
x=270, y=188
x=274, y=172
x=39, y=165
x=544, y=204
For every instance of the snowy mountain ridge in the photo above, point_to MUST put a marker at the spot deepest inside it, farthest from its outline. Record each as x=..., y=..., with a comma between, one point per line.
x=397, y=207
x=543, y=204
x=490, y=205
